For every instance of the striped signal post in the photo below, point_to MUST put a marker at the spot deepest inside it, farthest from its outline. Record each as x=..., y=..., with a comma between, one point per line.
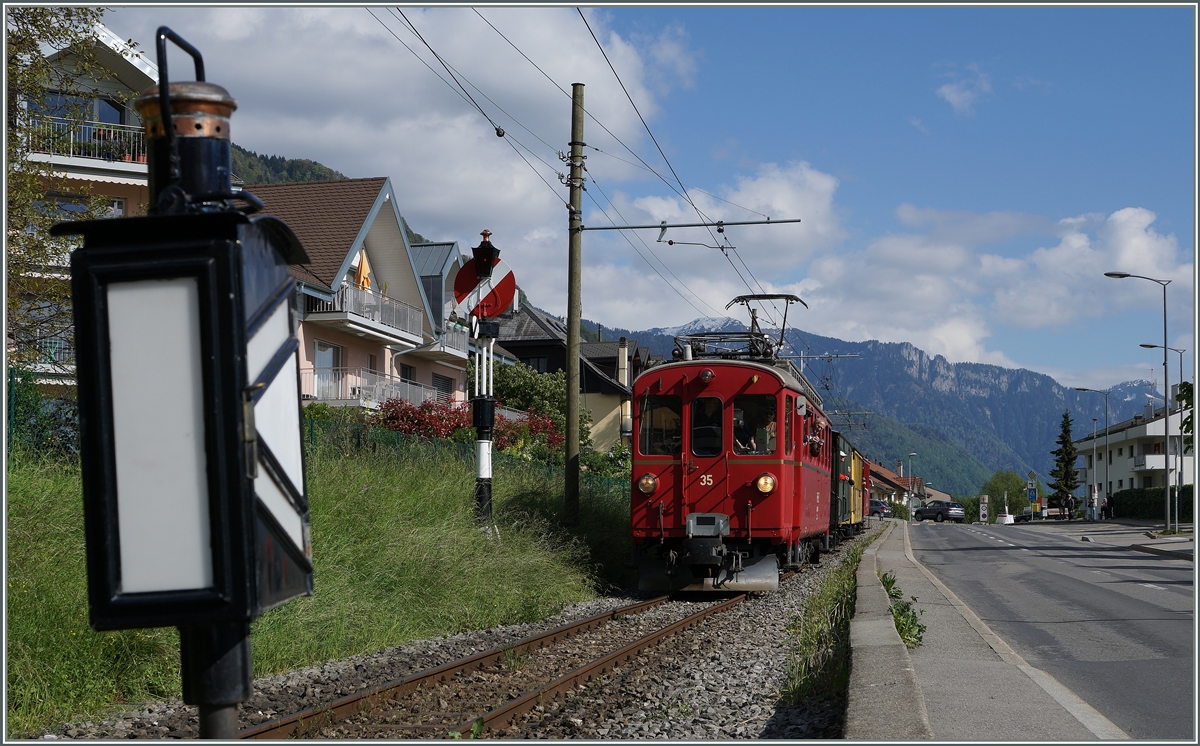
x=484, y=288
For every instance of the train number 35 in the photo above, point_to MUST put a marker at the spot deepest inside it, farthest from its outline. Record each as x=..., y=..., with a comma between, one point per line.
x=706, y=480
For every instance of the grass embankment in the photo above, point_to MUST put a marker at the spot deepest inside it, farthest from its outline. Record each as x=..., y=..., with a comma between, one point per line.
x=819, y=663
x=397, y=556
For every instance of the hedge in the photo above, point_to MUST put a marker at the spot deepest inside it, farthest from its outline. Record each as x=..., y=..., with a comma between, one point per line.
x=1147, y=503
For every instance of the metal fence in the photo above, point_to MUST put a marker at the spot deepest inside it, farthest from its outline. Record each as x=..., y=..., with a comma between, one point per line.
x=370, y=305
x=370, y=388
x=110, y=142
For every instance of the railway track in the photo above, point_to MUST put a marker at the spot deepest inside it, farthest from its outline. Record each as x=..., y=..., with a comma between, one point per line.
x=493, y=690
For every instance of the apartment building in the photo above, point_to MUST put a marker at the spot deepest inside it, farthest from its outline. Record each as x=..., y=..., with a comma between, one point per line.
x=1131, y=456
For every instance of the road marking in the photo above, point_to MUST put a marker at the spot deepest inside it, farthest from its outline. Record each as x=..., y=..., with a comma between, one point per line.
x=1151, y=585
x=1023, y=549
x=1088, y=716
x=1100, y=572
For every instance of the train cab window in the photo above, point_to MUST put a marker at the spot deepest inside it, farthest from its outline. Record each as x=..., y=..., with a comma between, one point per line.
x=707, y=433
x=788, y=414
x=661, y=432
x=754, y=424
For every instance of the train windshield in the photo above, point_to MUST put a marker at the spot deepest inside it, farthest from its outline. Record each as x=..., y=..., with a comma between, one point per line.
x=707, y=437
x=754, y=424
x=661, y=431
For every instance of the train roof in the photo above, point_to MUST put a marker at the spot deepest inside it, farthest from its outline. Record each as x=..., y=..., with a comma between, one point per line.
x=745, y=347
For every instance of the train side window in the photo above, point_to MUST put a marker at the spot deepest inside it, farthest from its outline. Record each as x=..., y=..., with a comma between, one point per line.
x=788, y=408
x=707, y=433
x=754, y=424
x=661, y=431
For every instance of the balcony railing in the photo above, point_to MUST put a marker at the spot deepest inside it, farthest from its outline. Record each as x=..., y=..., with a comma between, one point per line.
x=455, y=337
x=370, y=305
x=109, y=142
x=369, y=387
x=1151, y=461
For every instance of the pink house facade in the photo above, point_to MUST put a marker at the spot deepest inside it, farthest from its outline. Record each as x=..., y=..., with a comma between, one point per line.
x=368, y=329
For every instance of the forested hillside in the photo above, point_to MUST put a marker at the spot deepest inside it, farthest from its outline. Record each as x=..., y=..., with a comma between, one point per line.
x=253, y=168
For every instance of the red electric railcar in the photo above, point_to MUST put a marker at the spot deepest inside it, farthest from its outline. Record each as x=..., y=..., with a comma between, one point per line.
x=731, y=464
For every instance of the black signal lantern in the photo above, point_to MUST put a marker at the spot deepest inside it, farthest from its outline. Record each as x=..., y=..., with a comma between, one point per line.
x=195, y=504
x=485, y=255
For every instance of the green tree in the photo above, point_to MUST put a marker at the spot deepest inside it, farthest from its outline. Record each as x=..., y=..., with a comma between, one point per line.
x=522, y=388
x=1066, y=479
x=1012, y=483
x=39, y=296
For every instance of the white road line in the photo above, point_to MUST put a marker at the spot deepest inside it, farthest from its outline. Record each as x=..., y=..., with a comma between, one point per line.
x=1151, y=585
x=1088, y=716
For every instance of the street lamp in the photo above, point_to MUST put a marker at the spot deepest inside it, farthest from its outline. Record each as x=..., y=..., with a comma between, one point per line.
x=1166, y=394
x=912, y=485
x=1107, y=455
x=1179, y=451
x=1095, y=492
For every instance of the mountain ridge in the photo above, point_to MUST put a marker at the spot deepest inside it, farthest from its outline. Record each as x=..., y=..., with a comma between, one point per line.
x=1004, y=418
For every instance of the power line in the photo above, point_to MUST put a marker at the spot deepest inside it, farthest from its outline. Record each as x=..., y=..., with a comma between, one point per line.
x=463, y=94
x=666, y=160
x=437, y=57
x=651, y=251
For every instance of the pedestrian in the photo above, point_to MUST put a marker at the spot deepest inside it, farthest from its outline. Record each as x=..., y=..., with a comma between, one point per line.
x=1092, y=507
x=1070, y=507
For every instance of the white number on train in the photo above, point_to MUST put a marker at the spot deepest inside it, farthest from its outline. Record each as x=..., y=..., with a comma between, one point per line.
x=706, y=480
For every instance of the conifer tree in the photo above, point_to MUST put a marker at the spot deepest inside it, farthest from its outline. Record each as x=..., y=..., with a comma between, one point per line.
x=1066, y=479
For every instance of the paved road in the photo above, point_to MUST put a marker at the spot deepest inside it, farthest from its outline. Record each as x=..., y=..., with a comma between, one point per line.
x=1113, y=625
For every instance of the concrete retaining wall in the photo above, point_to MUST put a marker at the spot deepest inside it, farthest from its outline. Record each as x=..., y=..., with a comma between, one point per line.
x=885, y=699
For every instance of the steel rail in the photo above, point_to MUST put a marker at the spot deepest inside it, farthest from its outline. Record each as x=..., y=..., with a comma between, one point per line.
x=506, y=714
x=321, y=716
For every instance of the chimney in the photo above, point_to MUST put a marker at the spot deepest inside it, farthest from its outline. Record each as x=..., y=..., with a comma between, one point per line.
x=900, y=467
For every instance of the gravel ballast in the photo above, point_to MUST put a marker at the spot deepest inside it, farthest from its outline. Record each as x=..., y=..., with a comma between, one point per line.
x=721, y=679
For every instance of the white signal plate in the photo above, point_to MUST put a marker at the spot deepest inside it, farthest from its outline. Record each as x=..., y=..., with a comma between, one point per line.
x=267, y=340
x=158, y=434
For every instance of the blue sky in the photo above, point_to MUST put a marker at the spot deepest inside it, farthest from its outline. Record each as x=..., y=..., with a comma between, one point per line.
x=965, y=175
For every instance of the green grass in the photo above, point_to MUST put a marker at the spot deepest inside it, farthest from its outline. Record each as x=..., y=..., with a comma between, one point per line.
x=819, y=661
x=397, y=556
x=904, y=614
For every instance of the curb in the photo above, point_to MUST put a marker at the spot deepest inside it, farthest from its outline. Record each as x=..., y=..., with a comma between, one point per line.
x=884, y=698
x=1162, y=552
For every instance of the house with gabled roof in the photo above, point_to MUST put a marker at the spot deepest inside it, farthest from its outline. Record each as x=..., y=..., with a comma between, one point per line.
x=367, y=328
x=539, y=340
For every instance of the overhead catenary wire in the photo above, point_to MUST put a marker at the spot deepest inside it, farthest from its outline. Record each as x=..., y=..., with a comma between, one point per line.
x=644, y=165
x=666, y=160
x=714, y=311
x=463, y=94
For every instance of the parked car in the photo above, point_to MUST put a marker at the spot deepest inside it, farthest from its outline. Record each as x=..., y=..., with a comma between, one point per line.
x=881, y=509
x=941, y=510
x=1026, y=517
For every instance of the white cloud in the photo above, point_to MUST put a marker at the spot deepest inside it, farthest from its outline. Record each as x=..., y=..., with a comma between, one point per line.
x=963, y=93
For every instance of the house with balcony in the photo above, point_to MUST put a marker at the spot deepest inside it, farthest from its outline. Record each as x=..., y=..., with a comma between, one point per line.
x=367, y=327
x=93, y=146
x=1134, y=455
x=106, y=152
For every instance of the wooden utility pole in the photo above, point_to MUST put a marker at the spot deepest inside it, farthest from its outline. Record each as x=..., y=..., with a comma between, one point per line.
x=574, y=302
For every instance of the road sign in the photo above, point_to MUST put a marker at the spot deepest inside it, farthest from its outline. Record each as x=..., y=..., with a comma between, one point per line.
x=983, y=508
x=487, y=297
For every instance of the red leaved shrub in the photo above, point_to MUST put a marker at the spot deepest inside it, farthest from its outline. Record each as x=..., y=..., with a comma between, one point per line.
x=431, y=419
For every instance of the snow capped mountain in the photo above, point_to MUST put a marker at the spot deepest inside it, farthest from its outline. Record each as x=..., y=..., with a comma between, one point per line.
x=700, y=325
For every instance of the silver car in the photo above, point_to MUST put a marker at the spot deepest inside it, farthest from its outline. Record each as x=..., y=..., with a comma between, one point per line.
x=941, y=510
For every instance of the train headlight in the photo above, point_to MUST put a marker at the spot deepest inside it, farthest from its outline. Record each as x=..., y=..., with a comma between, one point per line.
x=647, y=484
x=765, y=484
x=706, y=375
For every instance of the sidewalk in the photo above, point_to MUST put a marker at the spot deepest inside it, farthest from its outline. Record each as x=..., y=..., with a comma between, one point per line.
x=1128, y=533
x=944, y=689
